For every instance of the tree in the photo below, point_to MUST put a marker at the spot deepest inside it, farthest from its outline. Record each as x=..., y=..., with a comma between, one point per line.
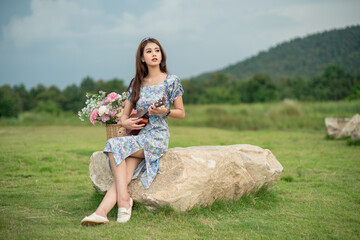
x=260, y=88
x=9, y=102
x=26, y=101
x=113, y=85
x=333, y=84
x=355, y=90
x=285, y=87
x=72, y=98
x=88, y=84
x=50, y=94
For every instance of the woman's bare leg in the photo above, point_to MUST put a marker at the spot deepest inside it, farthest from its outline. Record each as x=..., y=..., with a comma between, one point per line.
x=132, y=162
x=108, y=201
x=120, y=180
x=111, y=195
x=131, y=165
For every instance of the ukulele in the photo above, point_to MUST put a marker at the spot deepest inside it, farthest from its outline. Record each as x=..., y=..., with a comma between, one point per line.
x=144, y=115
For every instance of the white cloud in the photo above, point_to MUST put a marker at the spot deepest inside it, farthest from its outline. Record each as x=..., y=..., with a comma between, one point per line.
x=198, y=35
x=55, y=21
x=228, y=21
x=316, y=16
x=67, y=20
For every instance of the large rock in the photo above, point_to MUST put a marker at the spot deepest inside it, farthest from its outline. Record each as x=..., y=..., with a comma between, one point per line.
x=197, y=176
x=334, y=126
x=100, y=172
x=351, y=128
x=356, y=134
x=344, y=127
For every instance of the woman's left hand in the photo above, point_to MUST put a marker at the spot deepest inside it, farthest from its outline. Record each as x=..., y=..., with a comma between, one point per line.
x=157, y=110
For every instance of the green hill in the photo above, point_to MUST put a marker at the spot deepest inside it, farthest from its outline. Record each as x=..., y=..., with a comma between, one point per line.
x=303, y=57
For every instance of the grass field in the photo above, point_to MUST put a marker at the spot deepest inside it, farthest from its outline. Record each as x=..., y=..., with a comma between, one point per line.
x=273, y=115
x=45, y=189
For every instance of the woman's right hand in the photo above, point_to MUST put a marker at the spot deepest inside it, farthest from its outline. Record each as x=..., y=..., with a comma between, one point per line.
x=133, y=124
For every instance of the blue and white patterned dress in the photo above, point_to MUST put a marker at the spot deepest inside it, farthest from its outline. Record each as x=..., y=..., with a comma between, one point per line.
x=154, y=137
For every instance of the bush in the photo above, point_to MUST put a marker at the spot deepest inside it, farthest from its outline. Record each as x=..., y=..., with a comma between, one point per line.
x=284, y=110
x=49, y=107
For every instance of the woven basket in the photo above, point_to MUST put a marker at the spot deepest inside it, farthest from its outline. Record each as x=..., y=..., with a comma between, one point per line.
x=115, y=130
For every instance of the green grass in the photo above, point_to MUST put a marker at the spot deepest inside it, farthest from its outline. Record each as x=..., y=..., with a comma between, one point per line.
x=277, y=115
x=45, y=189
x=42, y=119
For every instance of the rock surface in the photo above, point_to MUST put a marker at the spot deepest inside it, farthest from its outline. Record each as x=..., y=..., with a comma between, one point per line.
x=351, y=128
x=197, y=176
x=100, y=172
x=356, y=134
x=344, y=127
x=335, y=125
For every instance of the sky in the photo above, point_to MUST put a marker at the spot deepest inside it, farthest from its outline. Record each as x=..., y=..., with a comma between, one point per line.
x=60, y=42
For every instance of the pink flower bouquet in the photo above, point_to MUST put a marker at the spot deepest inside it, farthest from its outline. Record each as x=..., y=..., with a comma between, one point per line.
x=103, y=108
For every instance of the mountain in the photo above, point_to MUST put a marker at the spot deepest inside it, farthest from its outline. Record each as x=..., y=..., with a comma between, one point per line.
x=303, y=57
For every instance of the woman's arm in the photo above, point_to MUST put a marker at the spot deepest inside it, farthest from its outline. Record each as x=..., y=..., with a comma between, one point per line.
x=127, y=110
x=126, y=121
x=177, y=112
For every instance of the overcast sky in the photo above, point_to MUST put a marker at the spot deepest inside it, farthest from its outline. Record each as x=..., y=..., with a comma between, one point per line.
x=59, y=42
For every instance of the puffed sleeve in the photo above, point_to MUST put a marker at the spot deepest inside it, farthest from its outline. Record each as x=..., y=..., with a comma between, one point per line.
x=175, y=88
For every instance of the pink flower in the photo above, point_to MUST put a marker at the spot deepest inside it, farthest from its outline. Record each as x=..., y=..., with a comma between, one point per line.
x=105, y=118
x=108, y=107
x=93, y=116
x=112, y=96
x=112, y=114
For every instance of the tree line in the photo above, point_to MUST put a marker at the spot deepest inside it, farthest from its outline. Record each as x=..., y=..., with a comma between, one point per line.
x=17, y=99
x=333, y=84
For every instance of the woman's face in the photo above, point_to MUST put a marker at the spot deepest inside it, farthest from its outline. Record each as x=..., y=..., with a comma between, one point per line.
x=152, y=54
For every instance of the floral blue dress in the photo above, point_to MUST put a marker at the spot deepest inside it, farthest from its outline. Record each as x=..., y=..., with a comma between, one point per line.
x=154, y=137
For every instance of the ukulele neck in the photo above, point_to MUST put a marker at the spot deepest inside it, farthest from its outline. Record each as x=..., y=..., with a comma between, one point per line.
x=143, y=112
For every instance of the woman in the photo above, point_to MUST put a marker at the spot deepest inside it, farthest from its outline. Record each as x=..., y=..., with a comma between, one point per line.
x=151, y=83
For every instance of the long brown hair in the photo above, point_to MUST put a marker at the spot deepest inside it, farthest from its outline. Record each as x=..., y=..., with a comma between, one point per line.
x=142, y=69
